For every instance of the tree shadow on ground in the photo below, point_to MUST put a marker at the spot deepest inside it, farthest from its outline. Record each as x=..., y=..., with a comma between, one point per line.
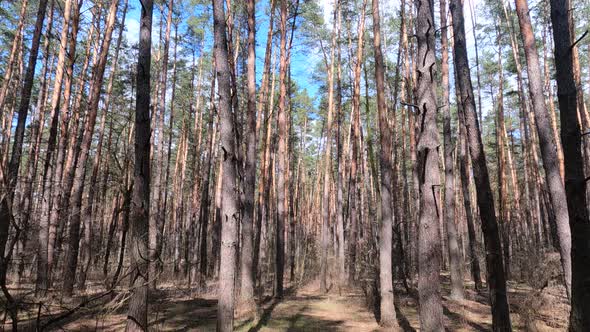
x=298, y=321
x=403, y=322
x=267, y=312
x=458, y=319
x=303, y=322
x=185, y=314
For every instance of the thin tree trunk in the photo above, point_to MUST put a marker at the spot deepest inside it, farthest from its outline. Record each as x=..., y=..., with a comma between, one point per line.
x=247, y=273
x=388, y=317
x=159, y=189
x=229, y=210
x=457, y=291
x=267, y=83
x=11, y=178
x=503, y=210
x=13, y=58
x=80, y=174
x=42, y=280
x=324, y=237
x=547, y=141
x=354, y=189
x=495, y=268
x=477, y=67
x=548, y=89
x=281, y=155
x=205, y=197
x=174, y=226
x=140, y=204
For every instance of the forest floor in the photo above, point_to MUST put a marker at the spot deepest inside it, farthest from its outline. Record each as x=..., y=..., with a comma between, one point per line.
x=305, y=309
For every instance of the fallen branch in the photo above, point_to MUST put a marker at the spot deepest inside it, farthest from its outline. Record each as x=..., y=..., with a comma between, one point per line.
x=73, y=310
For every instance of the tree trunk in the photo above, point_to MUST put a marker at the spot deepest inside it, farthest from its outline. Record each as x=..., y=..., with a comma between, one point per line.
x=281, y=155
x=15, y=158
x=469, y=219
x=43, y=258
x=229, y=209
x=324, y=237
x=247, y=273
x=503, y=210
x=267, y=89
x=495, y=267
x=354, y=188
x=429, y=242
x=13, y=57
x=80, y=174
x=547, y=142
x=140, y=204
x=157, y=220
x=457, y=291
x=575, y=182
x=388, y=317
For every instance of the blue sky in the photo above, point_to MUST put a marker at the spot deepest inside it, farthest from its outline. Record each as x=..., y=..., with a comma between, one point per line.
x=304, y=61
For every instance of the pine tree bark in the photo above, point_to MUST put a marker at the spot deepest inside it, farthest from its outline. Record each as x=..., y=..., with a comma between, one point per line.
x=575, y=183
x=388, y=317
x=355, y=202
x=140, y=203
x=58, y=191
x=159, y=215
x=174, y=227
x=43, y=258
x=324, y=237
x=495, y=267
x=13, y=58
x=247, y=273
x=10, y=179
x=80, y=173
x=503, y=210
x=281, y=155
x=429, y=241
x=548, y=145
x=229, y=209
x=469, y=218
x=340, y=159
x=205, y=196
x=457, y=291
x=267, y=90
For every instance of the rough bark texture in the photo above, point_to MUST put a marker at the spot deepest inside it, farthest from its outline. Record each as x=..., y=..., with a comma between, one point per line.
x=8, y=181
x=355, y=201
x=388, y=317
x=43, y=257
x=547, y=141
x=574, y=165
x=469, y=219
x=282, y=156
x=247, y=273
x=485, y=200
x=140, y=203
x=325, y=236
x=429, y=241
x=80, y=174
x=229, y=209
x=457, y=291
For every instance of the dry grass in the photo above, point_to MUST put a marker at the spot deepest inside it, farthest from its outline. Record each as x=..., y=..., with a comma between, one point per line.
x=173, y=309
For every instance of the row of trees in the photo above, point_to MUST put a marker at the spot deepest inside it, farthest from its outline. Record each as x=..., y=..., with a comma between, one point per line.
x=124, y=165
